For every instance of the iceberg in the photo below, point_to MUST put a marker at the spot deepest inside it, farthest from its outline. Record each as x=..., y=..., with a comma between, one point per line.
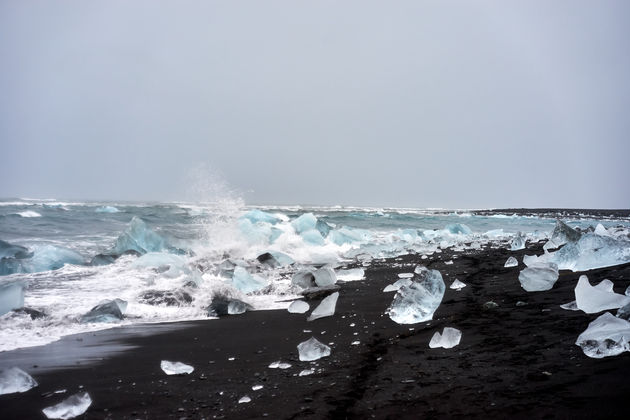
x=511, y=262
x=418, y=301
x=70, y=407
x=518, y=242
x=11, y=296
x=325, y=277
x=222, y=305
x=106, y=311
x=298, y=307
x=325, y=308
x=449, y=338
x=538, y=277
x=256, y=216
x=176, y=368
x=457, y=285
x=458, y=229
x=312, y=349
x=14, y=379
x=247, y=283
x=139, y=237
x=605, y=336
x=593, y=299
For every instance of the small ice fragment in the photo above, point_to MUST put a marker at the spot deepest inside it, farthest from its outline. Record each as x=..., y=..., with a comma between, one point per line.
x=353, y=274
x=325, y=308
x=306, y=372
x=511, y=262
x=449, y=338
x=538, y=277
x=450, y=262
x=312, y=349
x=69, y=408
x=244, y=399
x=418, y=301
x=605, y=336
x=279, y=365
x=599, y=298
x=298, y=307
x=257, y=387
x=405, y=275
x=231, y=359
x=457, y=285
x=355, y=343
x=571, y=306
x=399, y=283
x=15, y=379
x=175, y=368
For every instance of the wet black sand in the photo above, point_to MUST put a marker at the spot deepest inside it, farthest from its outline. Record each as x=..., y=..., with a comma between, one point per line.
x=513, y=361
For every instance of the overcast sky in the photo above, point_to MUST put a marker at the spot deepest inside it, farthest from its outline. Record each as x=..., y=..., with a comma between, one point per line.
x=456, y=104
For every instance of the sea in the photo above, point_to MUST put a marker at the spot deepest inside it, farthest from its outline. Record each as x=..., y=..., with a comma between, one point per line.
x=168, y=261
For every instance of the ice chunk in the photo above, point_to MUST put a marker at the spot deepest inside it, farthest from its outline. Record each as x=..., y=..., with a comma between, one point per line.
x=168, y=265
x=304, y=278
x=591, y=251
x=306, y=372
x=8, y=250
x=313, y=237
x=257, y=387
x=517, y=242
x=312, y=349
x=11, y=295
x=325, y=308
x=538, y=277
x=457, y=285
x=418, y=301
x=323, y=228
x=255, y=233
x=14, y=379
x=351, y=274
x=458, y=229
x=166, y=297
x=563, y=233
x=599, y=298
x=176, y=368
x=256, y=216
x=275, y=259
x=305, y=222
x=325, y=277
x=43, y=258
x=106, y=311
x=511, y=262
x=601, y=230
x=69, y=408
x=345, y=235
x=405, y=275
x=244, y=399
x=605, y=336
x=139, y=237
x=106, y=209
x=449, y=338
x=571, y=306
x=246, y=282
x=624, y=312
x=299, y=307
x=223, y=305
x=279, y=365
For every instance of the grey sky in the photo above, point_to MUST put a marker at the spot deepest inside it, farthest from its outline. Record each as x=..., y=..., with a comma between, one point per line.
x=403, y=103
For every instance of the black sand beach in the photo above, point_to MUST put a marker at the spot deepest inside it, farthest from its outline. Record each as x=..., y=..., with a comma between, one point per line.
x=512, y=362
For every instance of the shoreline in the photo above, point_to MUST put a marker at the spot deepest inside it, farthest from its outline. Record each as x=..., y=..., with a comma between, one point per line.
x=517, y=361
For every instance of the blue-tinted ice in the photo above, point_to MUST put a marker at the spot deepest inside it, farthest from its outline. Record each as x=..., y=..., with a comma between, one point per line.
x=418, y=301
x=14, y=379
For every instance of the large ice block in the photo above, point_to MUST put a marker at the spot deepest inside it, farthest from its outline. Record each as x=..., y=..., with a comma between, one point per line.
x=325, y=308
x=305, y=222
x=312, y=349
x=605, y=336
x=256, y=216
x=538, y=277
x=418, y=301
x=14, y=379
x=325, y=276
x=69, y=408
x=139, y=237
x=247, y=283
x=593, y=299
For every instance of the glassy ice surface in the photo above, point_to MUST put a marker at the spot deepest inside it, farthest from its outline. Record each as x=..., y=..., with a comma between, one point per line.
x=107, y=311
x=457, y=285
x=624, y=312
x=11, y=295
x=304, y=278
x=244, y=399
x=458, y=229
x=511, y=262
x=593, y=299
x=353, y=274
x=304, y=223
x=449, y=338
x=15, y=379
x=538, y=277
x=69, y=408
x=246, y=282
x=518, y=242
x=176, y=368
x=418, y=301
x=306, y=372
x=312, y=349
x=571, y=306
x=563, y=233
x=605, y=336
x=139, y=237
x=298, y=307
x=279, y=365
x=256, y=215
x=397, y=285
x=325, y=308
x=325, y=277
